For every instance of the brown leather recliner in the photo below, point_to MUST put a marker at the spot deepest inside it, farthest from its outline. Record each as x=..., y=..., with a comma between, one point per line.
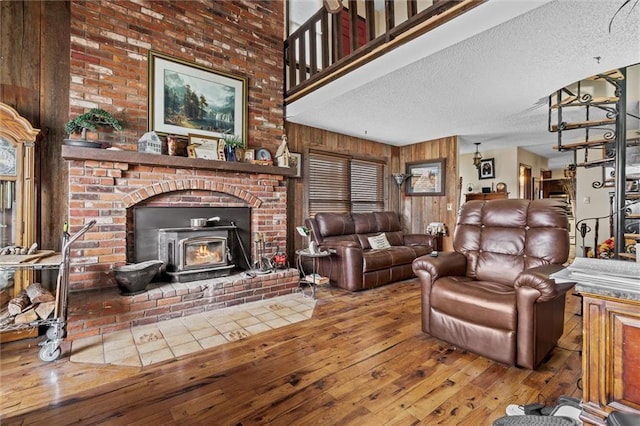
x=493, y=295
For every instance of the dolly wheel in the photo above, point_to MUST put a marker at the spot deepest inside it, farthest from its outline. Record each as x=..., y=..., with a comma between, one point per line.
x=54, y=332
x=47, y=354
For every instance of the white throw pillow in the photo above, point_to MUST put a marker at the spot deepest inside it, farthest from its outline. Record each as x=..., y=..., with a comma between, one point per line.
x=379, y=242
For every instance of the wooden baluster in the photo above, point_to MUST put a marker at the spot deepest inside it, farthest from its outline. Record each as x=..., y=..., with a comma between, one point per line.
x=313, y=49
x=353, y=25
x=370, y=16
x=324, y=29
x=302, y=57
x=412, y=8
x=390, y=15
x=336, y=37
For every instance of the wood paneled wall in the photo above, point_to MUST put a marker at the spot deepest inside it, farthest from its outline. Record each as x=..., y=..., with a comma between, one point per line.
x=34, y=79
x=418, y=212
x=302, y=139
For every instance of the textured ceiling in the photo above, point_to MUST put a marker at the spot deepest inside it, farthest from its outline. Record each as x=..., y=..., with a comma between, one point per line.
x=484, y=76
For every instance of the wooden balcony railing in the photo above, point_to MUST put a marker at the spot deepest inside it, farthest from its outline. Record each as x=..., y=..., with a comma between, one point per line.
x=330, y=45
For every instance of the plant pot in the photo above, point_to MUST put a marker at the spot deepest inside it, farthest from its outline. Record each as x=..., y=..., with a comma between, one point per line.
x=230, y=153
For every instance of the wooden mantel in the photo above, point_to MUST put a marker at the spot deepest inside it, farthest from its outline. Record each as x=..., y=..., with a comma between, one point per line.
x=141, y=158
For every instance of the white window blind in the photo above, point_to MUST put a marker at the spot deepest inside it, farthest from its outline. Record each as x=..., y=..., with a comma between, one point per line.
x=367, y=186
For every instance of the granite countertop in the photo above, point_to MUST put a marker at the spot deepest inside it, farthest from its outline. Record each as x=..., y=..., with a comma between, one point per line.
x=621, y=291
x=612, y=278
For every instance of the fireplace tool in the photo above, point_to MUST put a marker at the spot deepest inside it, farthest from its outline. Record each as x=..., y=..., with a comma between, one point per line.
x=242, y=249
x=264, y=263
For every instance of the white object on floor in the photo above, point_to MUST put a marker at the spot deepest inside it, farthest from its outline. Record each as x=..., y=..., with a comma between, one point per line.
x=515, y=410
x=567, y=411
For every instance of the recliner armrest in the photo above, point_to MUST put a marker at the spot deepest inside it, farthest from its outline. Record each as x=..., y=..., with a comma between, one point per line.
x=448, y=263
x=539, y=279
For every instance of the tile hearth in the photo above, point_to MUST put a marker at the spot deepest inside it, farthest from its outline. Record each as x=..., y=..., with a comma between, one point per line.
x=152, y=343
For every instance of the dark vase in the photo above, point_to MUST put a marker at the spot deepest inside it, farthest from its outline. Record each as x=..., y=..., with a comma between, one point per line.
x=230, y=153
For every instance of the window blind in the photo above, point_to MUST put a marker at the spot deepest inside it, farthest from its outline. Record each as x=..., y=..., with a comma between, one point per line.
x=328, y=183
x=341, y=184
x=367, y=186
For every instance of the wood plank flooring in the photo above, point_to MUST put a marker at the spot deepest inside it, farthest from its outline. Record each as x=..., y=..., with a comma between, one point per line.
x=361, y=360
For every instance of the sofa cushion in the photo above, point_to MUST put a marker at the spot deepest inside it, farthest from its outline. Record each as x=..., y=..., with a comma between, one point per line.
x=379, y=242
x=387, y=221
x=365, y=223
x=330, y=224
x=395, y=238
x=375, y=260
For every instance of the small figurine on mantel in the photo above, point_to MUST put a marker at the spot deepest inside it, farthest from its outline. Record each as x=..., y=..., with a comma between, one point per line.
x=283, y=155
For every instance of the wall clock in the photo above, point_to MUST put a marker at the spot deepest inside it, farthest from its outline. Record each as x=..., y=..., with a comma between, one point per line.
x=7, y=158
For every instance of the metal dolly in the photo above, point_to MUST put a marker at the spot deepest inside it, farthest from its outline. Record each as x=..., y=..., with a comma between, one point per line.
x=50, y=347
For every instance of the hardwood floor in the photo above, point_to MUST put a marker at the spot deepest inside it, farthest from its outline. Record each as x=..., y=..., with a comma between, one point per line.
x=361, y=360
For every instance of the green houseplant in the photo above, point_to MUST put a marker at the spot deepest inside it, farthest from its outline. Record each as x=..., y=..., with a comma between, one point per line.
x=91, y=120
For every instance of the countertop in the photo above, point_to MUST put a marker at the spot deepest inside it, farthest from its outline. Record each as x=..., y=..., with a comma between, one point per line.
x=612, y=278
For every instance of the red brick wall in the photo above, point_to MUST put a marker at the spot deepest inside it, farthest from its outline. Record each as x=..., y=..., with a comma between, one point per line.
x=110, y=41
x=104, y=191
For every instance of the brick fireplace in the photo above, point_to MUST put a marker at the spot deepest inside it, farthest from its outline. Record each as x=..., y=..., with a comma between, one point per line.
x=105, y=186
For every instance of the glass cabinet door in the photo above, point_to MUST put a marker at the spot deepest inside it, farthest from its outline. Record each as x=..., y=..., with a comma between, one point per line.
x=8, y=206
x=17, y=192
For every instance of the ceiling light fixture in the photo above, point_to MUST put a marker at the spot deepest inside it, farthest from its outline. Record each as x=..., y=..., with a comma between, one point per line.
x=477, y=157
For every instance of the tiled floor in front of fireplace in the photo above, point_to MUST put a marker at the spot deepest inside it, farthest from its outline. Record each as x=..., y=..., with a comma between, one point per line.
x=148, y=344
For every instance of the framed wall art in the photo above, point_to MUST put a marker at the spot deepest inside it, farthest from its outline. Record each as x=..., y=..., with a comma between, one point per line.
x=295, y=161
x=426, y=177
x=188, y=98
x=487, y=169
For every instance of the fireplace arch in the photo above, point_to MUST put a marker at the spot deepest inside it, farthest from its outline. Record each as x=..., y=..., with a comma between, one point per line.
x=143, y=193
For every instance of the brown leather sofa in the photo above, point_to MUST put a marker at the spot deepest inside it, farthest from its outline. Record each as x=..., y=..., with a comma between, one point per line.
x=492, y=295
x=354, y=265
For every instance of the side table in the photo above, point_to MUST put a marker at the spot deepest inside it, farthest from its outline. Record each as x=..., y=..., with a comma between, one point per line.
x=315, y=259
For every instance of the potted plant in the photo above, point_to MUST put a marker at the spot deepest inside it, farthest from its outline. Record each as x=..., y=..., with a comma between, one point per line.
x=234, y=148
x=91, y=120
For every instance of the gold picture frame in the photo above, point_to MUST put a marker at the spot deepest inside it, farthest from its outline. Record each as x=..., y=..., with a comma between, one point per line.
x=223, y=113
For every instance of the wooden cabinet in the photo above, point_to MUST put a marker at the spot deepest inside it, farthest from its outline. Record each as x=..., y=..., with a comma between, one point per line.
x=17, y=188
x=486, y=196
x=555, y=188
x=611, y=356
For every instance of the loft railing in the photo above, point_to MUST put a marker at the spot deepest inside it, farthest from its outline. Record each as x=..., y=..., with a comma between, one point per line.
x=604, y=244
x=334, y=44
